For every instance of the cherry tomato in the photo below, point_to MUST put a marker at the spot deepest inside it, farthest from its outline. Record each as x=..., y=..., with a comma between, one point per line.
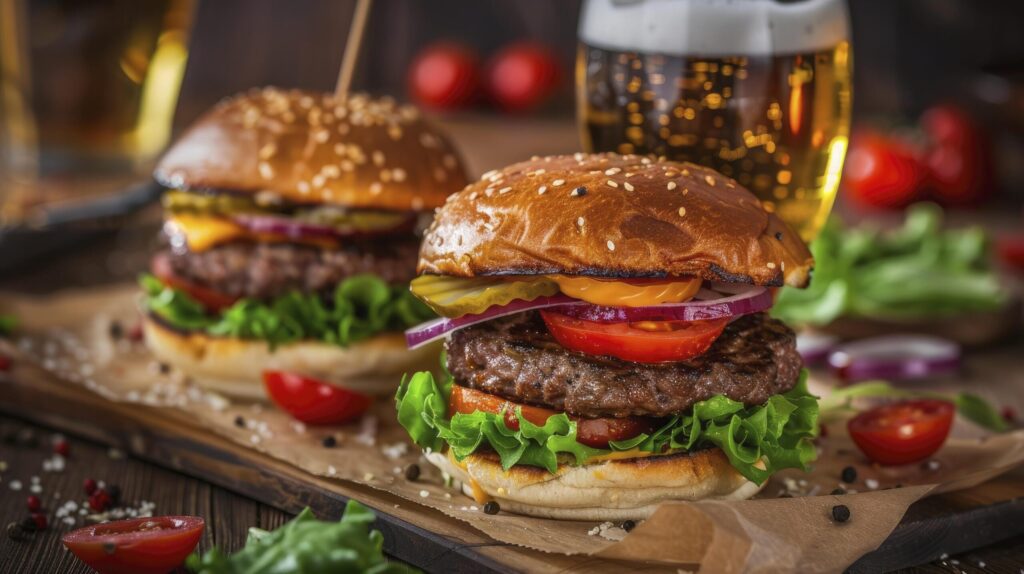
x=595, y=433
x=138, y=546
x=1011, y=251
x=958, y=158
x=211, y=299
x=522, y=76
x=314, y=402
x=903, y=432
x=643, y=342
x=444, y=76
x=882, y=172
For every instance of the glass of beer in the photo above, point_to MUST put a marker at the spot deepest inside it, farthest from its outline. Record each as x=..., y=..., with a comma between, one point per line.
x=756, y=89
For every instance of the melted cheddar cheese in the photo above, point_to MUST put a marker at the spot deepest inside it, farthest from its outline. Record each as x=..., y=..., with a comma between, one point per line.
x=202, y=232
x=613, y=293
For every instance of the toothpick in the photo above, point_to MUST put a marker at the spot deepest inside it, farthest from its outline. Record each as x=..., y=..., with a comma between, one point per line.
x=351, y=56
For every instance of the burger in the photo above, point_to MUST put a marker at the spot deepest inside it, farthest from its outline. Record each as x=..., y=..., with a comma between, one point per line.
x=608, y=346
x=292, y=223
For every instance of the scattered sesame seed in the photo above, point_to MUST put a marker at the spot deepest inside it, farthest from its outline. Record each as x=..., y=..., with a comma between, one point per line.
x=376, y=187
x=612, y=171
x=611, y=245
x=266, y=172
x=542, y=189
x=424, y=493
x=671, y=185
x=504, y=190
x=612, y=183
x=710, y=180
x=871, y=483
x=682, y=211
x=558, y=182
x=580, y=221
x=627, y=185
x=331, y=471
x=771, y=265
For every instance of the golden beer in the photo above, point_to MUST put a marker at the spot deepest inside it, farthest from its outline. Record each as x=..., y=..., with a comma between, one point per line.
x=769, y=112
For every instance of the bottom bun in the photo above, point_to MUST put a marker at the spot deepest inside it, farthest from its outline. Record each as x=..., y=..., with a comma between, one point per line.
x=609, y=490
x=235, y=366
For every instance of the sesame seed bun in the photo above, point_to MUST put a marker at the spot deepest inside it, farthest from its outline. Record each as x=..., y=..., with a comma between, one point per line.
x=609, y=490
x=308, y=147
x=235, y=366
x=610, y=215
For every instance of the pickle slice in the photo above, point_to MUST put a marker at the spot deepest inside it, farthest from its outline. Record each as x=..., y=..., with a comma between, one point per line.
x=213, y=204
x=457, y=296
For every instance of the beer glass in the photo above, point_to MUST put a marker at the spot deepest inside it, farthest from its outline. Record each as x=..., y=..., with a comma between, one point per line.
x=756, y=89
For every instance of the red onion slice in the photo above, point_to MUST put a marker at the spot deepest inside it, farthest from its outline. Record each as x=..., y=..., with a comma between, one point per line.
x=752, y=300
x=815, y=347
x=895, y=357
x=296, y=229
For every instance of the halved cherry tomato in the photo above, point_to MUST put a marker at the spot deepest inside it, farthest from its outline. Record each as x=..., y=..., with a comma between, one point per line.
x=211, y=299
x=882, y=171
x=903, y=432
x=595, y=433
x=644, y=342
x=958, y=156
x=314, y=402
x=154, y=545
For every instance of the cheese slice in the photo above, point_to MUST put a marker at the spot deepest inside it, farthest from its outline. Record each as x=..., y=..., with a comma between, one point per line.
x=202, y=232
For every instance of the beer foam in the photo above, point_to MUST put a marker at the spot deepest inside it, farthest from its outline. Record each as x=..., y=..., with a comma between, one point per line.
x=714, y=27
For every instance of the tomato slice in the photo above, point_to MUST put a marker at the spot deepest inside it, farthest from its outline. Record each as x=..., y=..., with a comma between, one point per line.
x=211, y=299
x=596, y=433
x=903, y=432
x=312, y=401
x=154, y=545
x=643, y=342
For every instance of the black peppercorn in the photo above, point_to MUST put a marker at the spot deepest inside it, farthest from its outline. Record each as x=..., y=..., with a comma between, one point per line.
x=329, y=442
x=412, y=472
x=580, y=191
x=628, y=525
x=849, y=475
x=778, y=235
x=16, y=532
x=837, y=491
x=840, y=513
x=492, y=507
x=239, y=421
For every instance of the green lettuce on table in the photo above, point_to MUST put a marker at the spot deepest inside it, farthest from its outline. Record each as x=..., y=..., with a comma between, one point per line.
x=360, y=307
x=918, y=270
x=777, y=433
x=306, y=545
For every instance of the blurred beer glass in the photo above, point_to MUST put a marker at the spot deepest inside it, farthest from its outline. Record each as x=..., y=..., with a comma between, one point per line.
x=88, y=93
x=756, y=89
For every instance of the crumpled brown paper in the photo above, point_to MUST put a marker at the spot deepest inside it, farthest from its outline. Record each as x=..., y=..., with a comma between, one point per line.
x=69, y=336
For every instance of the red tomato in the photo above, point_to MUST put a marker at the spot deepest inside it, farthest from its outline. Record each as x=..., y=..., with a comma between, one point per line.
x=958, y=158
x=1011, y=251
x=655, y=342
x=138, y=546
x=444, y=76
x=314, y=402
x=595, y=433
x=882, y=172
x=903, y=432
x=211, y=299
x=522, y=76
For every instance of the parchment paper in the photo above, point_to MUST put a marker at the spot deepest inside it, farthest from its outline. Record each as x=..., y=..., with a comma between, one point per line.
x=69, y=335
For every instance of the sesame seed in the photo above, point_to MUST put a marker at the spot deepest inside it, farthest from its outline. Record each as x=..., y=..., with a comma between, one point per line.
x=771, y=265
x=612, y=183
x=686, y=190
x=611, y=245
x=709, y=179
x=321, y=136
x=682, y=211
x=378, y=158
x=268, y=151
x=489, y=174
x=449, y=161
x=266, y=172
x=671, y=185
x=504, y=190
x=627, y=185
x=558, y=182
x=580, y=221
x=398, y=174
x=686, y=172
x=303, y=187
x=612, y=171
x=375, y=187
x=542, y=189
x=339, y=149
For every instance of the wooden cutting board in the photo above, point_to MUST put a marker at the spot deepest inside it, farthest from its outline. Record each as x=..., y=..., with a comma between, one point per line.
x=948, y=523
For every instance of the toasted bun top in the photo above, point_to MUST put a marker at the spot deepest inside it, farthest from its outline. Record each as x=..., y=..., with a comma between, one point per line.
x=613, y=216
x=309, y=147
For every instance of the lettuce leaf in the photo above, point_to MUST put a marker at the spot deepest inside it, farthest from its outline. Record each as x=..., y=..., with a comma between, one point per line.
x=918, y=270
x=306, y=545
x=776, y=434
x=360, y=307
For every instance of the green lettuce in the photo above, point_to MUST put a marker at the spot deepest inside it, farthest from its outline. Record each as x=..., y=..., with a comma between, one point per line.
x=306, y=545
x=7, y=324
x=776, y=434
x=918, y=270
x=360, y=307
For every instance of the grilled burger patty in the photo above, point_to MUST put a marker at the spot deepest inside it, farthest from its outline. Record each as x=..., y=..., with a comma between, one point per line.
x=517, y=358
x=264, y=270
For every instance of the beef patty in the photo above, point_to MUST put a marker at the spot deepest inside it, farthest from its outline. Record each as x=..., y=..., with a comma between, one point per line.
x=517, y=358
x=266, y=270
